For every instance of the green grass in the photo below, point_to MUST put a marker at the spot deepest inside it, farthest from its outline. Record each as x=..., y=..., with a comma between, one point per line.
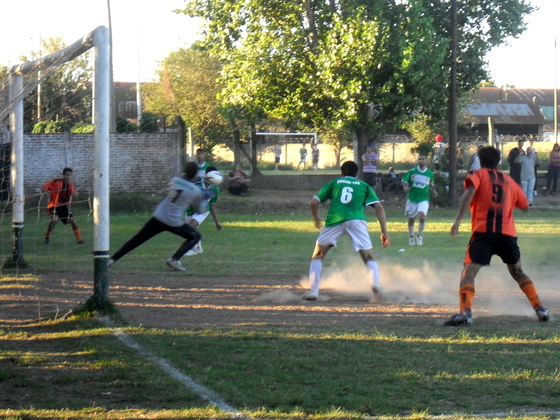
x=399, y=367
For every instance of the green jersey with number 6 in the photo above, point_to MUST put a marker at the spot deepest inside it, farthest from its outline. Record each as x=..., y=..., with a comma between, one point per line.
x=349, y=197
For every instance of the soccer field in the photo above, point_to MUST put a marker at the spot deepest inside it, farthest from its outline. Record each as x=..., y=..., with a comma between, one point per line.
x=235, y=323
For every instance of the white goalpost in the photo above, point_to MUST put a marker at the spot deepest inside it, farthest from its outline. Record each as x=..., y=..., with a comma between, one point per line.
x=98, y=39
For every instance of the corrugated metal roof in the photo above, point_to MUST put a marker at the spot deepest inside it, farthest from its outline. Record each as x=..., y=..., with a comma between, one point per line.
x=514, y=96
x=506, y=113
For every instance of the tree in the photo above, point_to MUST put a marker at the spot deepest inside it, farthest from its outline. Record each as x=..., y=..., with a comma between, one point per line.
x=65, y=92
x=364, y=65
x=187, y=86
x=148, y=122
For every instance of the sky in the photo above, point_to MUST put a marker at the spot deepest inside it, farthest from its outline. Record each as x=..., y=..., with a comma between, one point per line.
x=145, y=31
x=529, y=61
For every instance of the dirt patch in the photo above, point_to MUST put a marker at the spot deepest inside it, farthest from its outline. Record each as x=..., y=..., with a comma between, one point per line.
x=187, y=301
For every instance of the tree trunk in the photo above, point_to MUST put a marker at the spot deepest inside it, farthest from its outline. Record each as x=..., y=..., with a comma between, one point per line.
x=237, y=148
x=361, y=139
x=254, y=147
x=312, y=27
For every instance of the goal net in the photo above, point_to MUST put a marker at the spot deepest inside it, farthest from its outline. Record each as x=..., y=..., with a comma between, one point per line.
x=20, y=111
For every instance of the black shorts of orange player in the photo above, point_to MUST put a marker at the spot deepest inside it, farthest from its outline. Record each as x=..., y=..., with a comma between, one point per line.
x=483, y=246
x=62, y=212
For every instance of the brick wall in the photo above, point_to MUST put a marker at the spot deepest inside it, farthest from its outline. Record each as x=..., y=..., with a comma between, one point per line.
x=138, y=162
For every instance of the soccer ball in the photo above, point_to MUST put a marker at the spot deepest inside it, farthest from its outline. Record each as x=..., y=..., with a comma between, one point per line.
x=214, y=178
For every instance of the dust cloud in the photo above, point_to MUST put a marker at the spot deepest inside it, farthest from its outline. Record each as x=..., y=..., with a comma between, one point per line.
x=430, y=284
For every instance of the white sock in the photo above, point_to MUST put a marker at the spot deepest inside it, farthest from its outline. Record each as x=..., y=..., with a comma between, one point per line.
x=411, y=230
x=373, y=270
x=421, y=226
x=315, y=274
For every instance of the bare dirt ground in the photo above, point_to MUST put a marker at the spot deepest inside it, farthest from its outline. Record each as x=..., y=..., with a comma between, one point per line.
x=250, y=303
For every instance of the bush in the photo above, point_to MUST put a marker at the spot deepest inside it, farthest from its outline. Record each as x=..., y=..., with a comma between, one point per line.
x=149, y=123
x=82, y=128
x=57, y=127
x=125, y=126
x=39, y=128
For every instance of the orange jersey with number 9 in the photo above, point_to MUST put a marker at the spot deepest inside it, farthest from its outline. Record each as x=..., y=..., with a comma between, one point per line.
x=496, y=195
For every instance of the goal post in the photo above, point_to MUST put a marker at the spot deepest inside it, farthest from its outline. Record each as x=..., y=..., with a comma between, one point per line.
x=99, y=39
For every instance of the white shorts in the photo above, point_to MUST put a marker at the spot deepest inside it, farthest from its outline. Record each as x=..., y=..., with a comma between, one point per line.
x=199, y=217
x=356, y=229
x=412, y=209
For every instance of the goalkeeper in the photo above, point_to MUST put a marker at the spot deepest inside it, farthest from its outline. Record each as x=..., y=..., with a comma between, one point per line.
x=61, y=191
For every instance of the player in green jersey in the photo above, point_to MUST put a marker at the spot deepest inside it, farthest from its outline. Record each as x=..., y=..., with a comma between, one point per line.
x=201, y=163
x=195, y=219
x=418, y=183
x=349, y=197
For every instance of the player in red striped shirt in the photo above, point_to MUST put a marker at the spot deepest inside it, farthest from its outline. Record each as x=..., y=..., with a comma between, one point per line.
x=491, y=196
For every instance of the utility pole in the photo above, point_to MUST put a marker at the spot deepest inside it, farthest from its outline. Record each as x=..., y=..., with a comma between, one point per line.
x=138, y=86
x=453, y=105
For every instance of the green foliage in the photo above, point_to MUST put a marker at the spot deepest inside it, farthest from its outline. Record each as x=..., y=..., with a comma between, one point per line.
x=366, y=66
x=57, y=127
x=65, y=92
x=420, y=129
x=149, y=122
x=125, y=126
x=187, y=87
x=424, y=148
x=39, y=128
x=82, y=128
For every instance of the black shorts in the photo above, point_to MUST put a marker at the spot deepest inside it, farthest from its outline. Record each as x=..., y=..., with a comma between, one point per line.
x=483, y=246
x=276, y=160
x=61, y=212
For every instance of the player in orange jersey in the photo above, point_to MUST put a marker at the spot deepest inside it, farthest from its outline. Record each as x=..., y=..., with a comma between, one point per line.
x=491, y=196
x=61, y=191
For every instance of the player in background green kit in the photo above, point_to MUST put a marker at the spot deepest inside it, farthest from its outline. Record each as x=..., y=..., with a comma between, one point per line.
x=195, y=219
x=349, y=197
x=418, y=182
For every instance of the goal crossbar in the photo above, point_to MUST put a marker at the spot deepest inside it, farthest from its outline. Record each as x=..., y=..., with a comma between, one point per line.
x=290, y=134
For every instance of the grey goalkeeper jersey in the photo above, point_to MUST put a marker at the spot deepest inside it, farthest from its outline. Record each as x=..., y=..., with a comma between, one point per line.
x=181, y=195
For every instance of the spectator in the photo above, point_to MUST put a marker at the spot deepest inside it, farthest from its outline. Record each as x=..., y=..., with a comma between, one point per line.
x=528, y=160
x=315, y=156
x=474, y=161
x=239, y=181
x=277, y=150
x=370, y=159
x=515, y=167
x=553, y=170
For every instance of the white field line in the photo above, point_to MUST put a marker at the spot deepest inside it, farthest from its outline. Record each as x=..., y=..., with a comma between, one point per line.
x=214, y=399
x=203, y=392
